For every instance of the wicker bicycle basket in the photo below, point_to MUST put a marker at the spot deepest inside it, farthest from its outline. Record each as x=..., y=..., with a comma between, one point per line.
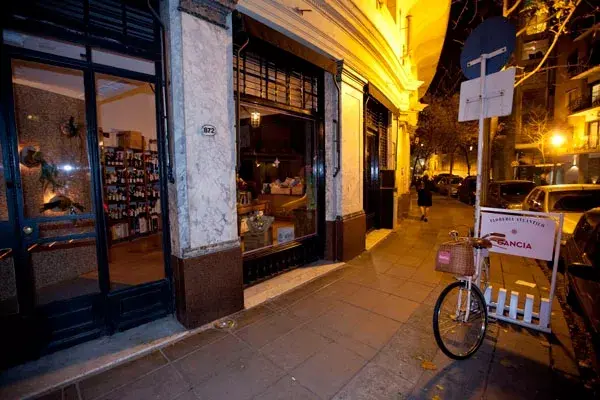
x=456, y=257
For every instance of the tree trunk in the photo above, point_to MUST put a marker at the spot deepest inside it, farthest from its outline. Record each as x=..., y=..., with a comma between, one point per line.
x=467, y=161
x=451, y=161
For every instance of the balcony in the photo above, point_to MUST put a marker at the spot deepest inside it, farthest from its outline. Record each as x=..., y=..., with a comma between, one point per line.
x=581, y=68
x=583, y=103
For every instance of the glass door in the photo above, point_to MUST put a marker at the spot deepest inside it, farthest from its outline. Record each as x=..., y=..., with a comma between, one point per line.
x=56, y=213
x=9, y=304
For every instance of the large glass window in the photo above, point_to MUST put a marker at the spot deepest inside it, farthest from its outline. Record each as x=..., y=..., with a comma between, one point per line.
x=130, y=179
x=55, y=179
x=276, y=195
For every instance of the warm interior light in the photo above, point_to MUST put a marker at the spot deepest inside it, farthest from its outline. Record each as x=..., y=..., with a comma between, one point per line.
x=255, y=119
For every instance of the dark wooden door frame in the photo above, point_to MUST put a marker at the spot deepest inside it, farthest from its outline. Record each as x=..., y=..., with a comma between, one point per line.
x=106, y=311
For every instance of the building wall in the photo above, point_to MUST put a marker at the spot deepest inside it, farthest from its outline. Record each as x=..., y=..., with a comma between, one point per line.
x=365, y=43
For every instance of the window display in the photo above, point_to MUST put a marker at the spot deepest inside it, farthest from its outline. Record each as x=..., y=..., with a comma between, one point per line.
x=130, y=180
x=276, y=197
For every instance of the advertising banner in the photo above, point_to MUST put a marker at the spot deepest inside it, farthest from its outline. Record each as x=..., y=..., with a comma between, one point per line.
x=526, y=236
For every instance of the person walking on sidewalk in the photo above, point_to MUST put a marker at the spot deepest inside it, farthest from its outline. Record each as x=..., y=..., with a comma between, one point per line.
x=424, y=199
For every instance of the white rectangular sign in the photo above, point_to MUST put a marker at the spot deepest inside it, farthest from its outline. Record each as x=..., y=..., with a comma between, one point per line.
x=526, y=236
x=499, y=90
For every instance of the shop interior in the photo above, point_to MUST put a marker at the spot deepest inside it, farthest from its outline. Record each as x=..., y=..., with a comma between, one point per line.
x=56, y=180
x=276, y=198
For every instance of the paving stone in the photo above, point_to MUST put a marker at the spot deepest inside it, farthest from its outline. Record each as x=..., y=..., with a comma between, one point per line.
x=209, y=360
x=375, y=382
x=367, y=298
x=251, y=315
x=291, y=350
x=422, y=318
x=311, y=307
x=242, y=379
x=192, y=342
x=269, y=329
x=287, y=388
x=405, y=353
x=104, y=382
x=414, y=291
x=401, y=271
x=396, y=308
x=563, y=355
x=326, y=372
x=164, y=383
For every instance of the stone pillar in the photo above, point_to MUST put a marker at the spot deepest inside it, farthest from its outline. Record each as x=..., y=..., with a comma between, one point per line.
x=345, y=218
x=206, y=252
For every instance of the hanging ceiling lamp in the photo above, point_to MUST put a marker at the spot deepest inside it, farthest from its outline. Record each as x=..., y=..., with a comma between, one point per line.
x=255, y=119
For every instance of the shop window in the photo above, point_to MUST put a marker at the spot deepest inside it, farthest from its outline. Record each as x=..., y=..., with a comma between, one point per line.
x=534, y=49
x=130, y=179
x=276, y=192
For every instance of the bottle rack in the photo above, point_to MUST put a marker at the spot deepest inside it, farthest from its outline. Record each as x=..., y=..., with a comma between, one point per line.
x=131, y=192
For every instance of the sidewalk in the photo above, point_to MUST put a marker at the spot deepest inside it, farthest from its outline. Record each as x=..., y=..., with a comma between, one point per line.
x=360, y=332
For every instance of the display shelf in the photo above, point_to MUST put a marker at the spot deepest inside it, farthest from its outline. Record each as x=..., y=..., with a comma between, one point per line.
x=139, y=164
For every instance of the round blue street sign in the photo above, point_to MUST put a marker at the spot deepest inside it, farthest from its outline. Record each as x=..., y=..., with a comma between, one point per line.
x=492, y=34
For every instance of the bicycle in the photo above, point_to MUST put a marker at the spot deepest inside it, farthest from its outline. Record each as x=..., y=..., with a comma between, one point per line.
x=460, y=316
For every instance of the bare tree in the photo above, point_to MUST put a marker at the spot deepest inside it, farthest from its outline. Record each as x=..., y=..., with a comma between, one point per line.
x=538, y=128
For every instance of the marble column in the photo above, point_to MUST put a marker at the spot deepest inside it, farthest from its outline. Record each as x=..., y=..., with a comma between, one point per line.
x=345, y=218
x=206, y=254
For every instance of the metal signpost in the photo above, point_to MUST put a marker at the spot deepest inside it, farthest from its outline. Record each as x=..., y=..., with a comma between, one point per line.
x=489, y=93
x=486, y=51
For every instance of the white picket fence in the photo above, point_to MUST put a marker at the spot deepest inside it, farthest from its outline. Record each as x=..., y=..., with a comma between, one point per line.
x=506, y=305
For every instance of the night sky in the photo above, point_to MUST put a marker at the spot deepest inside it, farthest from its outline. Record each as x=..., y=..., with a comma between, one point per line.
x=465, y=15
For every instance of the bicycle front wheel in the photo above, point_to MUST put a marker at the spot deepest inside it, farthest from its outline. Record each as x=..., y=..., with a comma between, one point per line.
x=460, y=320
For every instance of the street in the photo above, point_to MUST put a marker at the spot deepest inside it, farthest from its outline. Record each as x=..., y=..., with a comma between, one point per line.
x=361, y=332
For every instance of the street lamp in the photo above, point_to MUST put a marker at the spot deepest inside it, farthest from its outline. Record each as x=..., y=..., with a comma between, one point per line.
x=557, y=140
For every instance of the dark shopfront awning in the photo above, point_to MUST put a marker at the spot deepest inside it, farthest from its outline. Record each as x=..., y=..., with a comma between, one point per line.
x=269, y=35
x=380, y=97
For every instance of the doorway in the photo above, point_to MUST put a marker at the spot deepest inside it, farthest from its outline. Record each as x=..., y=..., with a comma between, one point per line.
x=81, y=203
x=375, y=158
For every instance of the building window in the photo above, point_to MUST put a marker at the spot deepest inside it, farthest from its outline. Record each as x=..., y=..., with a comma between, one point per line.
x=572, y=96
x=595, y=92
x=534, y=49
x=593, y=134
x=537, y=22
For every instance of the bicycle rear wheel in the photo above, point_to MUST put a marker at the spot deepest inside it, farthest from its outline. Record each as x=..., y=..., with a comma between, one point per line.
x=459, y=338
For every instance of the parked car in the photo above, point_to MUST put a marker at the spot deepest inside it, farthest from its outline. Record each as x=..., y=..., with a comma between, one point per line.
x=448, y=186
x=466, y=190
x=582, y=274
x=508, y=194
x=437, y=178
x=572, y=200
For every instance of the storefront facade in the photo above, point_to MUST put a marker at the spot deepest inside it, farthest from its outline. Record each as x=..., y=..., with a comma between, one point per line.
x=249, y=198
x=159, y=158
